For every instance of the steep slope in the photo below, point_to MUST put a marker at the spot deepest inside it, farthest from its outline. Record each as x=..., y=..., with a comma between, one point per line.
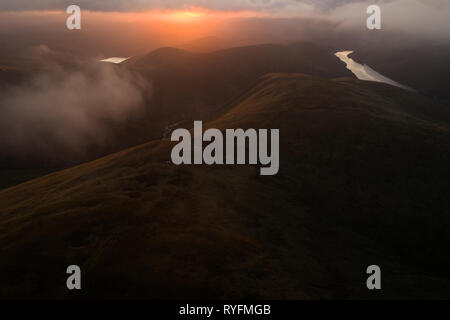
x=362, y=182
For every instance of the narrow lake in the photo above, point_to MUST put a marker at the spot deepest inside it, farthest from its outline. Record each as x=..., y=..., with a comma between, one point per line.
x=364, y=72
x=114, y=60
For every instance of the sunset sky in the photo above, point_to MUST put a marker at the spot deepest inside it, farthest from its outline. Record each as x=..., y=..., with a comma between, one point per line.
x=275, y=8
x=424, y=16
x=128, y=27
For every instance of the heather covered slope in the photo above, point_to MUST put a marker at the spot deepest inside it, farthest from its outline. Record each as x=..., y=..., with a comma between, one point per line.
x=362, y=181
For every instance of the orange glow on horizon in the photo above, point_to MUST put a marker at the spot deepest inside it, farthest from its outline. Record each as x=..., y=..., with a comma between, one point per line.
x=190, y=14
x=168, y=27
x=178, y=25
x=197, y=13
x=184, y=16
x=187, y=14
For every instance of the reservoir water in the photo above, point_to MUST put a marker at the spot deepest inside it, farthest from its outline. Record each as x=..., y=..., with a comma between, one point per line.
x=114, y=60
x=364, y=72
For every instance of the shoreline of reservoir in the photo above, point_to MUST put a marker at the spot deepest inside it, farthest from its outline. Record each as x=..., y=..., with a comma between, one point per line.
x=365, y=72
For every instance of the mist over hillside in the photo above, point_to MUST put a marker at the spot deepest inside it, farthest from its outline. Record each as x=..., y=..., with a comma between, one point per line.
x=62, y=112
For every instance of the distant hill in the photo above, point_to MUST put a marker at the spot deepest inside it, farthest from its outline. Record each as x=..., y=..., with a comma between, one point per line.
x=362, y=182
x=189, y=86
x=205, y=44
x=185, y=86
x=424, y=68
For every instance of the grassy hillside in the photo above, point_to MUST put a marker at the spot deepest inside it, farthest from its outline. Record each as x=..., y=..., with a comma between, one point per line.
x=362, y=182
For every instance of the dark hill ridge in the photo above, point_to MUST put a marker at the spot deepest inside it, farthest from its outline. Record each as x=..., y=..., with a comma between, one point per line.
x=205, y=44
x=302, y=57
x=189, y=86
x=426, y=68
x=362, y=182
x=183, y=86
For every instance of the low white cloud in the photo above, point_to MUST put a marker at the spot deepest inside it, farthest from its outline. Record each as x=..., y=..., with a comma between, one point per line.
x=65, y=110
